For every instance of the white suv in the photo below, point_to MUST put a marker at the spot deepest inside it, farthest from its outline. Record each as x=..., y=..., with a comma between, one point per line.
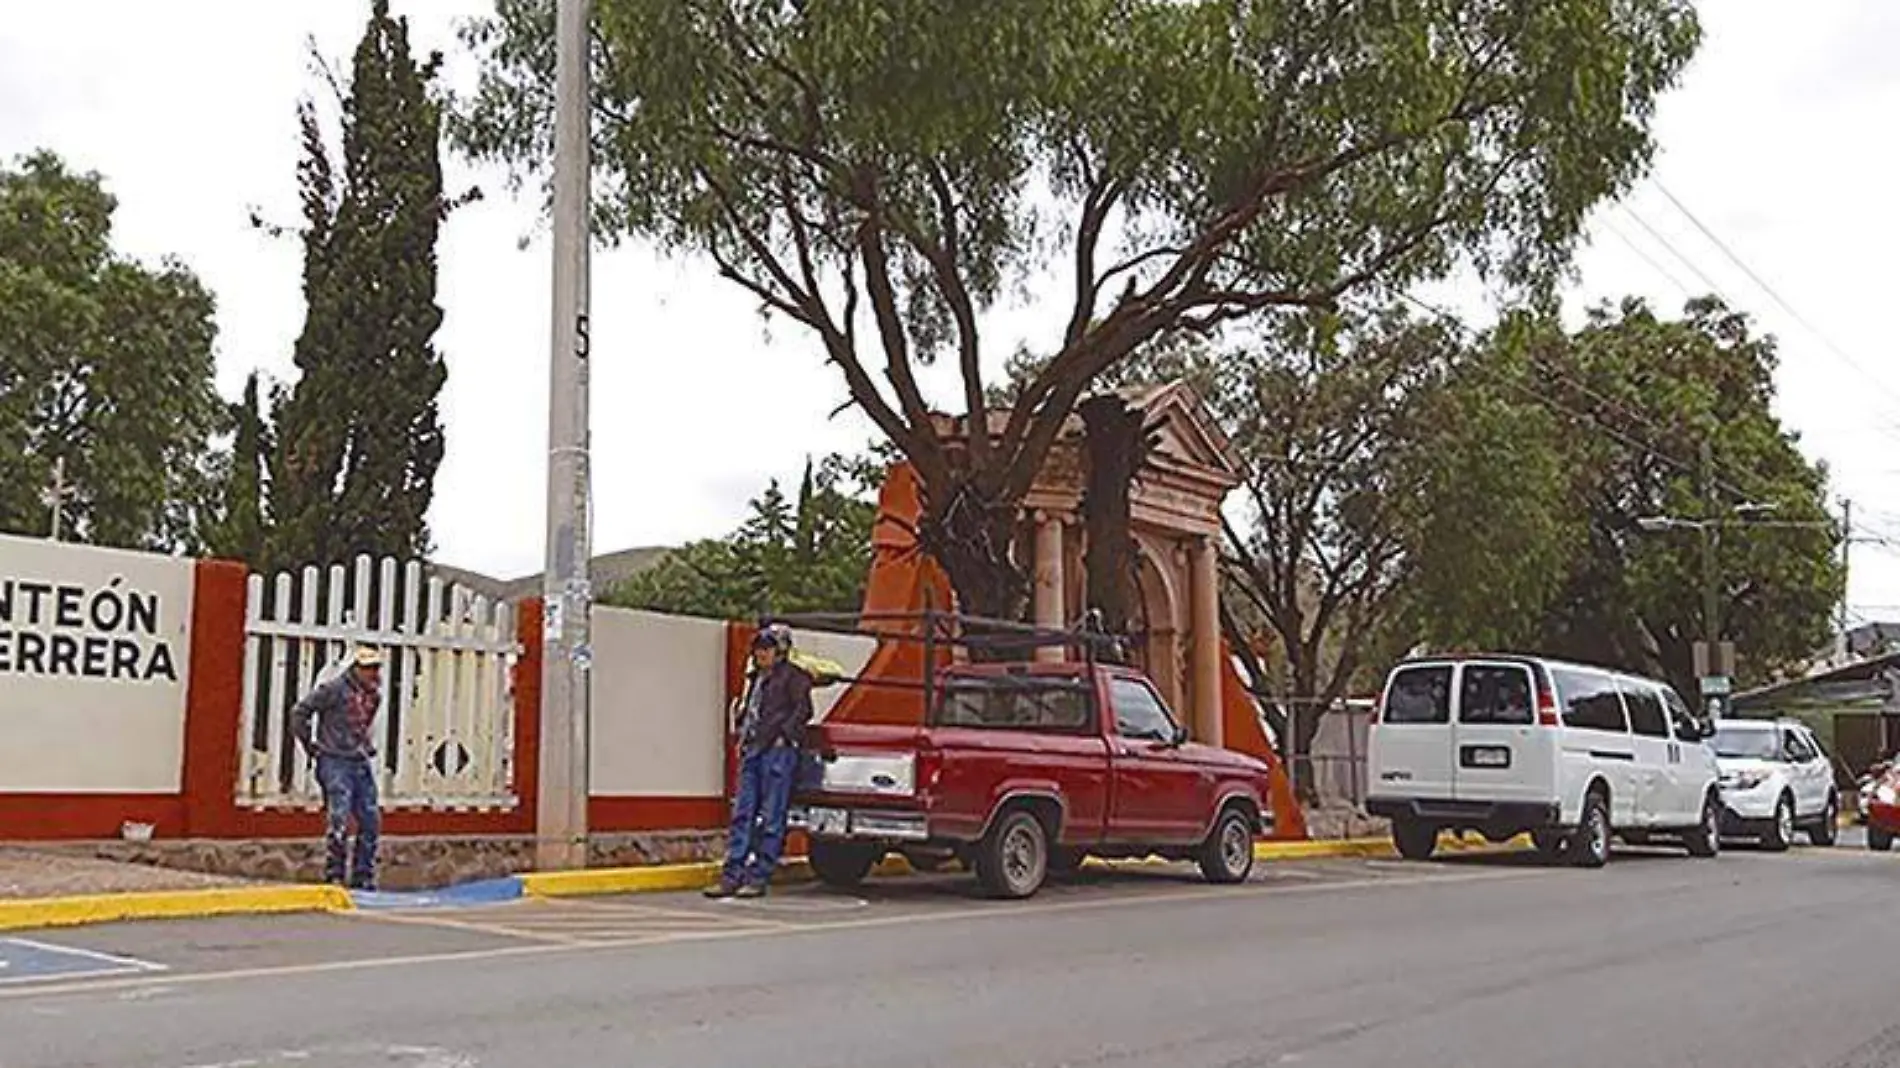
x=1509, y=744
x=1775, y=779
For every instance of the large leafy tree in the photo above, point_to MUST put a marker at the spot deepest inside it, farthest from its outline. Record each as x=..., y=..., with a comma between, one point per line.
x=359, y=437
x=105, y=364
x=808, y=554
x=1606, y=430
x=882, y=171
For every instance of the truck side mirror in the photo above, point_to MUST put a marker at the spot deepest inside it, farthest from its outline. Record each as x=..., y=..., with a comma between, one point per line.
x=1180, y=736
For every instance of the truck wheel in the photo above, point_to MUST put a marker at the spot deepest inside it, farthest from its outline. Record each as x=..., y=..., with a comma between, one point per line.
x=1879, y=839
x=1590, y=845
x=1780, y=833
x=1706, y=839
x=1013, y=859
x=1828, y=830
x=1227, y=855
x=1415, y=840
x=843, y=865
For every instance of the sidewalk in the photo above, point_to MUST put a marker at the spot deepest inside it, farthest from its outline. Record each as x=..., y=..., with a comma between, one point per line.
x=30, y=873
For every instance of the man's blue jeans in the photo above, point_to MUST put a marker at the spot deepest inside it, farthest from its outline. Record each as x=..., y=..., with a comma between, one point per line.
x=758, y=815
x=349, y=790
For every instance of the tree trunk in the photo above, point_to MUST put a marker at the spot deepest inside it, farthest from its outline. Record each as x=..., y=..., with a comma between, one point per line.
x=1115, y=448
x=974, y=541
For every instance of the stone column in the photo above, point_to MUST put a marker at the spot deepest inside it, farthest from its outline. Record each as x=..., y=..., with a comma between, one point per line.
x=1204, y=637
x=1051, y=589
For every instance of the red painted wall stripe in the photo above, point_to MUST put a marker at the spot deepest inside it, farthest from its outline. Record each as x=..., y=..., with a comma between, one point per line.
x=214, y=703
x=68, y=817
x=615, y=815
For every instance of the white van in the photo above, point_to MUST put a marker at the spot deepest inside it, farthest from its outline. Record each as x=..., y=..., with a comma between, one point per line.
x=1571, y=754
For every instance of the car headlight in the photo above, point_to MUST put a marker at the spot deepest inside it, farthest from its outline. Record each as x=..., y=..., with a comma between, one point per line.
x=1886, y=795
x=1746, y=780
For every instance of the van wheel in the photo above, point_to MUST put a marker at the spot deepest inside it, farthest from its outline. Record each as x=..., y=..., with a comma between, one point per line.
x=1013, y=859
x=1590, y=845
x=843, y=865
x=1706, y=839
x=1415, y=840
x=1879, y=839
x=1780, y=833
x=1828, y=831
x=1227, y=855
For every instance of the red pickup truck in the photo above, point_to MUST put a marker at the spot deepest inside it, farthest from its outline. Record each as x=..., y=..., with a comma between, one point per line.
x=1025, y=769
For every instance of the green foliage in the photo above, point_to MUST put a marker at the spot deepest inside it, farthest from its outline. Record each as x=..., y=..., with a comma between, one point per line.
x=239, y=529
x=1595, y=431
x=359, y=438
x=104, y=364
x=906, y=162
x=811, y=554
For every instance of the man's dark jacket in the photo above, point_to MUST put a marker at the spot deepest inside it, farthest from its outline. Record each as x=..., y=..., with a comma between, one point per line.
x=784, y=708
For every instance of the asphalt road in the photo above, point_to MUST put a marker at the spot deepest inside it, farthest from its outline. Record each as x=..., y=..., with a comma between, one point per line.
x=1748, y=960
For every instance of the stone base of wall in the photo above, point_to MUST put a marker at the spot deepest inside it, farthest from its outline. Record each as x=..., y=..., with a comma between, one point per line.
x=1326, y=823
x=404, y=863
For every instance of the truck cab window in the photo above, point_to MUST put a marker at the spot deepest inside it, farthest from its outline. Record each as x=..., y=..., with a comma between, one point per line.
x=1139, y=712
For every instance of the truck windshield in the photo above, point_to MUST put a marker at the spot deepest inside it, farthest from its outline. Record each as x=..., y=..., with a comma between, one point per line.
x=1747, y=743
x=1015, y=703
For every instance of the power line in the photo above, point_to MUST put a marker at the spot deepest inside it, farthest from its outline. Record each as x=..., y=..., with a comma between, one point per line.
x=1617, y=231
x=1774, y=295
x=1677, y=253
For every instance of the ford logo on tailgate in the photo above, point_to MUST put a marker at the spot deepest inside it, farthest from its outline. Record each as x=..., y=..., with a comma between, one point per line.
x=883, y=781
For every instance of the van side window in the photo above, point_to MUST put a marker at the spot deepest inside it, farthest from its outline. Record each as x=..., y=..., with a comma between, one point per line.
x=1590, y=701
x=1646, y=710
x=1495, y=694
x=1419, y=695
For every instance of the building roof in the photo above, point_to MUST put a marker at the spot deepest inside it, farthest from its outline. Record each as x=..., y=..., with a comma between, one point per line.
x=1864, y=682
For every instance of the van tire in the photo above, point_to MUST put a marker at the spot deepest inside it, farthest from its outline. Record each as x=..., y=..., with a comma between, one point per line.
x=1414, y=840
x=1013, y=859
x=1590, y=845
x=1828, y=830
x=1227, y=855
x=1705, y=839
x=1779, y=834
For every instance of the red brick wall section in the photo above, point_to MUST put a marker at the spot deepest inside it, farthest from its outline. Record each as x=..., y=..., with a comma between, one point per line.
x=214, y=704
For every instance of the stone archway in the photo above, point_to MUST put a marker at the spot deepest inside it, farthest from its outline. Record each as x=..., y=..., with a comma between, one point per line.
x=1161, y=606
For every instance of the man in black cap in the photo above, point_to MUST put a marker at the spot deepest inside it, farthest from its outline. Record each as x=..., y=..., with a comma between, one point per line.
x=772, y=730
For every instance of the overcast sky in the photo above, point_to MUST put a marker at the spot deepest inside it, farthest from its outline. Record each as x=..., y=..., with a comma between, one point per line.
x=1779, y=142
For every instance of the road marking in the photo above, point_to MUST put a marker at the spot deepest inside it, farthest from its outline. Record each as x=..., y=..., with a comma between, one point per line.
x=45, y=963
x=979, y=913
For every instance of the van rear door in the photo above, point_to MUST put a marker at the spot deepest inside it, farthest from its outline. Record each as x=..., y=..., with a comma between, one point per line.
x=1500, y=754
x=1411, y=749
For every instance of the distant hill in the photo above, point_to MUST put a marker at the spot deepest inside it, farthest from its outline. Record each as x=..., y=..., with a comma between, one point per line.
x=605, y=572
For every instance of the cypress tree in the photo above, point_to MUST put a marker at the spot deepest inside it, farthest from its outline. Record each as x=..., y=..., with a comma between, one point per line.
x=359, y=437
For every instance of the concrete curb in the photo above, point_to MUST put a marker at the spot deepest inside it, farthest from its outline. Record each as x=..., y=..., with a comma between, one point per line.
x=673, y=877
x=27, y=913
x=16, y=915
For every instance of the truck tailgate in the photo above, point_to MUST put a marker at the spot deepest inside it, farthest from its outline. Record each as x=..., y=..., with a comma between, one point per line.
x=864, y=762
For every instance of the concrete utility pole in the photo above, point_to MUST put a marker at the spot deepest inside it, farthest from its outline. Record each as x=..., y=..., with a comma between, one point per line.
x=1711, y=586
x=561, y=813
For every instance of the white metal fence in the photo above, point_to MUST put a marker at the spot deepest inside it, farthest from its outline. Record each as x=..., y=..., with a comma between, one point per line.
x=446, y=725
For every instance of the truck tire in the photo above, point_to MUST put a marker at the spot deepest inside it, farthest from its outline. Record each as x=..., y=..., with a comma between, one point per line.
x=1415, y=840
x=1013, y=859
x=1227, y=855
x=1590, y=845
x=843, y=865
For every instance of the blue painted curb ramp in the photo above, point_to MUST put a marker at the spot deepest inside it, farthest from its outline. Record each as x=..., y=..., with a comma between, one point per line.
x=23, y=960
x=485, y=892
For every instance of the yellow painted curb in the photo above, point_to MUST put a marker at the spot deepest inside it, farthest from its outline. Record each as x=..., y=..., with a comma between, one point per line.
x=178, y=904
x=1320, y=849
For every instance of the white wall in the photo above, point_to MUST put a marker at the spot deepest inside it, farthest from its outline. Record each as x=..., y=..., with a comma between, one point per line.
x=659, y=698
x=95, y=646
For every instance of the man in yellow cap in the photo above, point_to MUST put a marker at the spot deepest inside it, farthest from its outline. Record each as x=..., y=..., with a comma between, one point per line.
x=335, y=724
